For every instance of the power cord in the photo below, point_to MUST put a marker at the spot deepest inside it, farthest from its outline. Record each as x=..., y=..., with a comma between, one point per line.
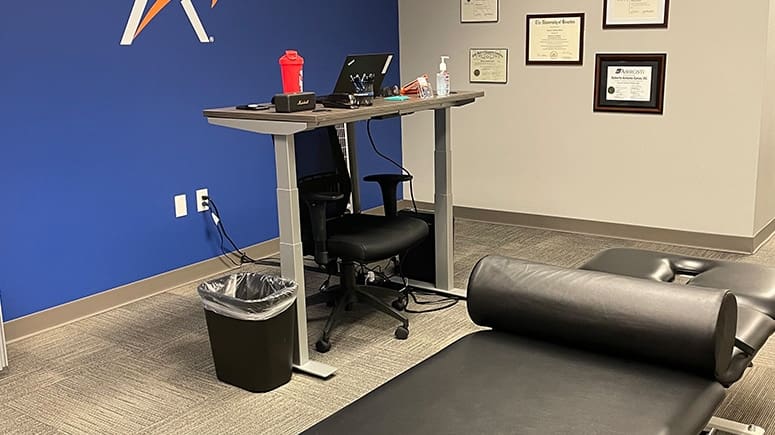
x=378, y=271
x=411, y=180
x=449, y=301
x=243, y=257
x=410, y=291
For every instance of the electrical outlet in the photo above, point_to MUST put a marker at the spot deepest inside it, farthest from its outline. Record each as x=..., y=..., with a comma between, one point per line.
x=181, y=208
x=201, y=205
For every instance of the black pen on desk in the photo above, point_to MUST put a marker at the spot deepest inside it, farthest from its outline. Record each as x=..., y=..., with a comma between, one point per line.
x=357, y=83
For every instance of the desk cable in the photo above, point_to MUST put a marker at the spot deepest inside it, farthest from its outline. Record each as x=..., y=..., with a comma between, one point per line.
x=408, y=291
x=411, y=180
x=442, y=303
x=222, y=234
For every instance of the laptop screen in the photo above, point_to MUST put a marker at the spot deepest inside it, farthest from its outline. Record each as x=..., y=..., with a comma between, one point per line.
x=377, y=64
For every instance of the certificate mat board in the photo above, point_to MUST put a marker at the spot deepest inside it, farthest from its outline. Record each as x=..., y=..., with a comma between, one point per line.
x=633, y=83
x=635, y=13
x=488, y=65
x=555, y=39
x=479, y=11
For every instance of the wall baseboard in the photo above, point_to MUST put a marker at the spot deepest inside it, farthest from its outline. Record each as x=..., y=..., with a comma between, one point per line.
x=107, y=300
x=763, y=236
x=61, y=315
x=716, y=242
x=51, y=318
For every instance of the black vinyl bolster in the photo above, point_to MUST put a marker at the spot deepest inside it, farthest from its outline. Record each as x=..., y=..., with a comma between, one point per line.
x=674, y=325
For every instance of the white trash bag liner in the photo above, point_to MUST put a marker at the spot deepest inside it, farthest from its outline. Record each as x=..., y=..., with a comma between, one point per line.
x=248, y=296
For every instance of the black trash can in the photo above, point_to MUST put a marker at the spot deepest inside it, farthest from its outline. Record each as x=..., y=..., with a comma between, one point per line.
x=251, y=321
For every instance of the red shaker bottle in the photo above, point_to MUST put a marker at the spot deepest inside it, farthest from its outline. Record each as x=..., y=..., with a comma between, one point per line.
x=291, y=67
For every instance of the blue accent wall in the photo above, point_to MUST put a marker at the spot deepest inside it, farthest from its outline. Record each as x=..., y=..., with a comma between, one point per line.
x=97, y=138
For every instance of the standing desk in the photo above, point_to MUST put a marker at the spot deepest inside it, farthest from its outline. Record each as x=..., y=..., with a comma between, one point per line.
x=283, y=126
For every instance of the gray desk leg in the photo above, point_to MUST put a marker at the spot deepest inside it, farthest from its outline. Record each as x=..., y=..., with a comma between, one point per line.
x=291, y=257
x=352, y=153
x=445, y=267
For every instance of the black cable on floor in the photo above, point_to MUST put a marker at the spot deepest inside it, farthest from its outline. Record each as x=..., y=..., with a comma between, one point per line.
x=411, y=292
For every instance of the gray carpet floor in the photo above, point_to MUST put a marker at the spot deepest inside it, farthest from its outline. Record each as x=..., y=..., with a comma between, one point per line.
x=147, y=367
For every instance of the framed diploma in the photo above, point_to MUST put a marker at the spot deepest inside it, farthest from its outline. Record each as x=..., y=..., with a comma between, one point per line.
x=633, y=83
x=489, y=65
x=635, y=13
x=479, y=11
x=555, y=39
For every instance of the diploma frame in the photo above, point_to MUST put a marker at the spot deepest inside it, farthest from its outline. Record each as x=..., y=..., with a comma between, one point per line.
x=655, y=105
x=464, y=19
x=636, y=25
x=528, y=54
x=473, y=79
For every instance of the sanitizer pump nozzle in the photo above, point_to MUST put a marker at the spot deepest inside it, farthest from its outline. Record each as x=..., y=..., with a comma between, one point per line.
x=442, y=78
x=443, y=64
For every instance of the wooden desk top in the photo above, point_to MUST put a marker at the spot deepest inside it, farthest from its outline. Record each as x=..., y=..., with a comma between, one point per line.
x=314, y=119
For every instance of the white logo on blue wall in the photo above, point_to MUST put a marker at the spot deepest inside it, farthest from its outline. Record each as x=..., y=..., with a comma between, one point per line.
x=136, y=22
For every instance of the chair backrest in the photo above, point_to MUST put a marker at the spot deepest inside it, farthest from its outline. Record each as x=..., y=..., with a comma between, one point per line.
x=321, y=167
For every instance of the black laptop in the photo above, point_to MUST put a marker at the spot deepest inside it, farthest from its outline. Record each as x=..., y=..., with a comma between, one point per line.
x=360, y=65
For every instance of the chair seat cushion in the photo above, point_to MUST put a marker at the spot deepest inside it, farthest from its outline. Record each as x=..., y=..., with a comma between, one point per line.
x=364, y=237
x=495, y=382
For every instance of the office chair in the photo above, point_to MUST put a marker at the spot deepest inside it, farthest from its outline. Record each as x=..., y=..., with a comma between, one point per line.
x=340, y=240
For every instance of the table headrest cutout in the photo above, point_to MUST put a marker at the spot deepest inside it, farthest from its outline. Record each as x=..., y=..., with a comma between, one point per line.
x=689, y=328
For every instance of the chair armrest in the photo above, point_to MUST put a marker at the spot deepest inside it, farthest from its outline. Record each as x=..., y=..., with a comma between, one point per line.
x=317, y=204
x=388, y=183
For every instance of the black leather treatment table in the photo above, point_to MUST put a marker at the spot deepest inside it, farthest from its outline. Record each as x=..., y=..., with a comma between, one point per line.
x=752, y=285
x=569, y=351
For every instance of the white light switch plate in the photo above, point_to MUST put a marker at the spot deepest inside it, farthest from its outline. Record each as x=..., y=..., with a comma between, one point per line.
x=181, y=209
x=200, y=194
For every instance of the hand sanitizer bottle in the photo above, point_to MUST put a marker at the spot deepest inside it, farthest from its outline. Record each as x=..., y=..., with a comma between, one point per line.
x=442, y=78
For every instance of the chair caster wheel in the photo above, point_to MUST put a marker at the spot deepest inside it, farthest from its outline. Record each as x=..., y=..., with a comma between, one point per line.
x=400, y=304
x=323, y=345
x=402, y=333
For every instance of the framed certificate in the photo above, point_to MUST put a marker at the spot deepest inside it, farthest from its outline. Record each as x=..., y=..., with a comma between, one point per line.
x=479, y=11
x=635, y=13
x=489, y=65
x=555, y=39
x=633, y=83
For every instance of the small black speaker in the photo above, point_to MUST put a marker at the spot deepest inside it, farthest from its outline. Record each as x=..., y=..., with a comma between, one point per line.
x=287, y=103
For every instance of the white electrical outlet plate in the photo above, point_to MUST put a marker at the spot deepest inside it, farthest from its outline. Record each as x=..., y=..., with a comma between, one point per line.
x=200, y=206
x=181, y=208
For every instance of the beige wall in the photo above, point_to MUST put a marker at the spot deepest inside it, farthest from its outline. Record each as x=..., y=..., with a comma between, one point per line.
x=536, y=146
x=765, y=186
